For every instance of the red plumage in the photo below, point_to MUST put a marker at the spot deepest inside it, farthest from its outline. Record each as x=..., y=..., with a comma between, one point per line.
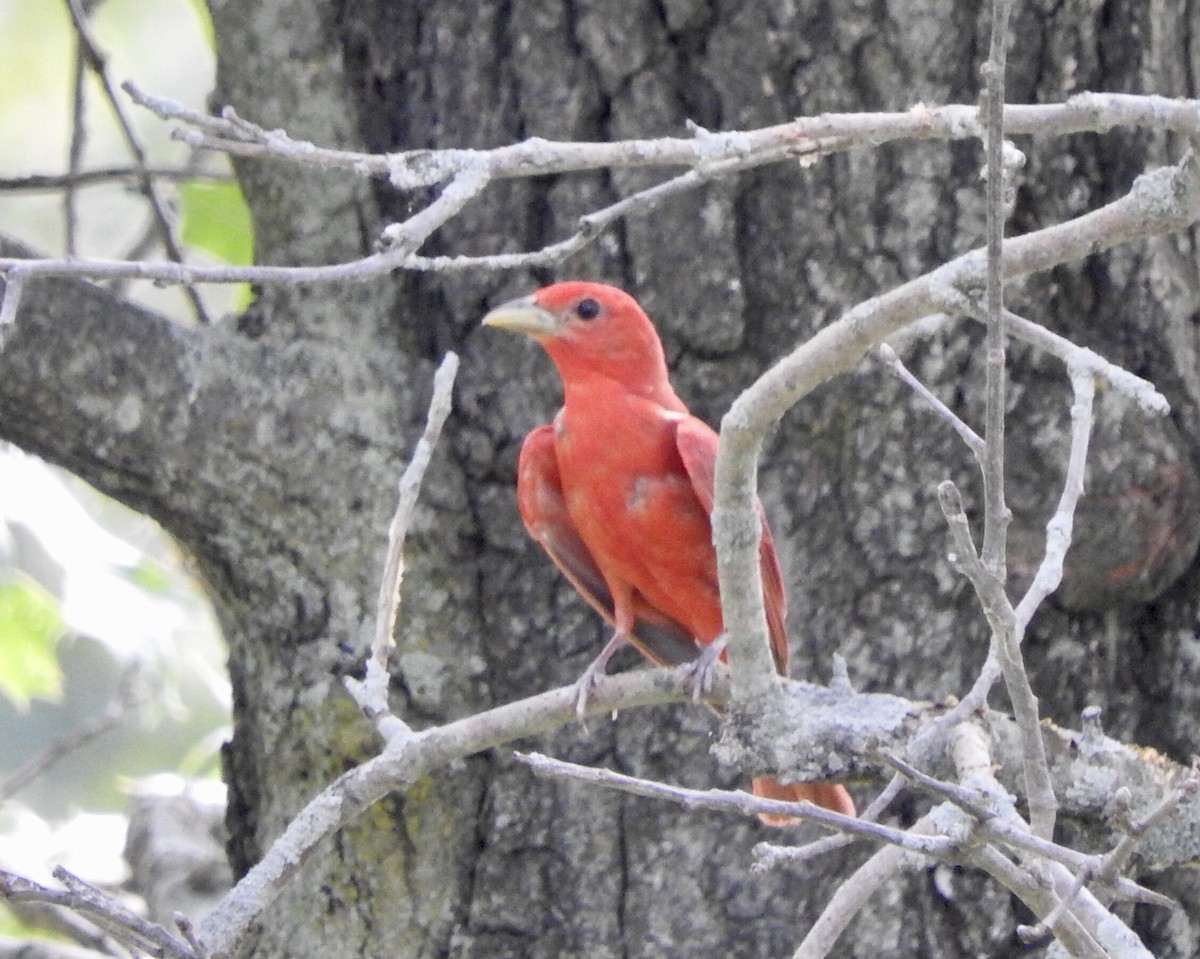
x=619, y=490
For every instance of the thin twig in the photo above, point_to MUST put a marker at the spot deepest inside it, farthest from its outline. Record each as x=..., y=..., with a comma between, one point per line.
x=996, y=513
x=75, y=151
x=130, y=694
x=372, y=692
x=1061, y=524
x=1006, y=649
x=188, y=930
x=1113, y=862
x=98, y=908
x=973, y=440
x=120, y=922
x=98, y=62
x=767, y=854
x=1032, y=934
x=729, y=800
x=1084, y=360
x=1072, y=355
x=103, y=176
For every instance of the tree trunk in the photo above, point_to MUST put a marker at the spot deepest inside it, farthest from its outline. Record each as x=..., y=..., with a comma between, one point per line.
x=270, y=445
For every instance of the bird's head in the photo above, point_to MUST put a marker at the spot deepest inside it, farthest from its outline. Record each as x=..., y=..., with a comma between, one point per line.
x=589, y=330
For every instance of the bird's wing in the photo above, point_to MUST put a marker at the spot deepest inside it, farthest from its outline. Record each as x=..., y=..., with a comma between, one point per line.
x=543, y=507
x=697, y=445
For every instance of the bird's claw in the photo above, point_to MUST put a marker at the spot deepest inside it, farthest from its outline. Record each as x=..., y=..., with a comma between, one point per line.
x=583, y=688
x=595, y=672
x=703, y=670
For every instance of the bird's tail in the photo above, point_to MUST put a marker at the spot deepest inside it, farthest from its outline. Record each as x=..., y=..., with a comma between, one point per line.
x=828, y=795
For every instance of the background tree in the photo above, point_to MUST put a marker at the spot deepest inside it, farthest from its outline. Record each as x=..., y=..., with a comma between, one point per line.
x=269, y=444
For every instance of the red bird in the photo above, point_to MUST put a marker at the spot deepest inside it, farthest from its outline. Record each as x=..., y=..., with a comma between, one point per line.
x=619, y=492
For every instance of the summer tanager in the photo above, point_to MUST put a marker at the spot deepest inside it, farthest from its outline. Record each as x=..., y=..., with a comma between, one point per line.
x=619, y=492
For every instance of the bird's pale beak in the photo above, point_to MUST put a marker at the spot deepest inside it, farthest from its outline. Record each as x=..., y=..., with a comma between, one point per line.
x=523, y=316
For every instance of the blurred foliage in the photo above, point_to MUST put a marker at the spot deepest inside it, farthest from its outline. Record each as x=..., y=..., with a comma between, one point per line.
x=30, y=626
x=215, y=218
x=90, y=591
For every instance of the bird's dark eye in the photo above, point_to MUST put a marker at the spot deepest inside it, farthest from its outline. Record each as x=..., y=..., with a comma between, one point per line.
x=587, y=309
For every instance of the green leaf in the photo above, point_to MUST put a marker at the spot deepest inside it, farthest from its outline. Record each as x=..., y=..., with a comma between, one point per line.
x=30, y=626
x=216, y=219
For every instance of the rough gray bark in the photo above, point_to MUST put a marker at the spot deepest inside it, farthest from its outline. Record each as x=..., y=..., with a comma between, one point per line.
x=270, y=444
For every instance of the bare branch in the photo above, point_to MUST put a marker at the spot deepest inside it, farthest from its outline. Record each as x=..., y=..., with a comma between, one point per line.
x=767, y=855
x=1016, y=836
x=1113, y=862
x=1165, y=195
x=1005, y=651
x=402, y=763
x=852, y=894
x=1058, y=530
x=1083, y=360
x=99, y=908
x=414, y=169
x=996, y=515
x=729, y=800
x=707, y=155
x=1083, y=924
x=372, y=693
x=973, y=440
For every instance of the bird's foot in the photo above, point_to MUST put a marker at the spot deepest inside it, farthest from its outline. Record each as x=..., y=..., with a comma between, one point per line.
x=704, y=668
x=584, y=685
x=594, y=673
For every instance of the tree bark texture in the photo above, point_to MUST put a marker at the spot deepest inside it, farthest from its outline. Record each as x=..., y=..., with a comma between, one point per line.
x=270, y=444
